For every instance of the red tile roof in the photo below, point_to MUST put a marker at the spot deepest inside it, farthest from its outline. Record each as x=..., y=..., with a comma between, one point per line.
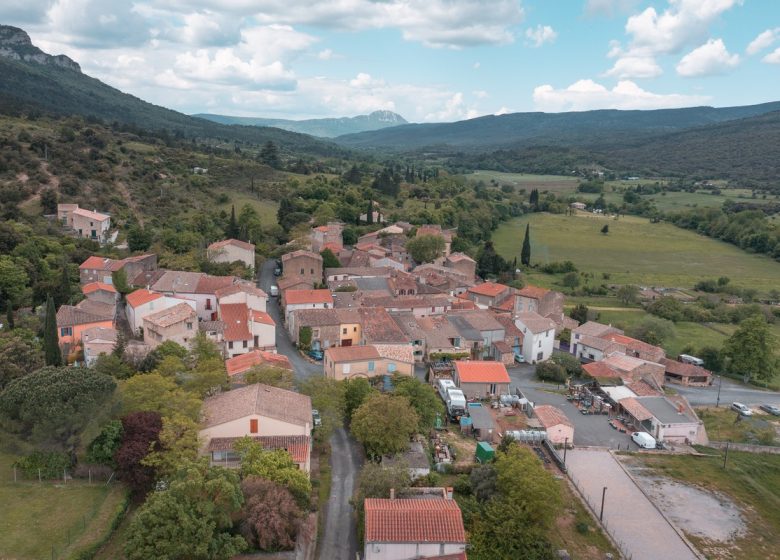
x=140, y=297
x=89, y=214
x=685, y=370
x=490, y=289
x=172, y=315
x=599, y=369
x=481, y=372
x=95, y=286
x=245, y=362
x=533, y=292
x=307, y=296
x=550, y=416
x=431, y=520
x=296, y=446
x=352, y=353
x=635, y=408
x=235, y=317
x=96, y=263
x=235, y=242
x=241, y=287
x=210, y=284
x=629, y=342
x=261, y=317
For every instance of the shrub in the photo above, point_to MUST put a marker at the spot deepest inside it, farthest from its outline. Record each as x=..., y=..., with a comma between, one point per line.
x=558, y=267
x=582, y=528
x=550, y=371
x=50, y=463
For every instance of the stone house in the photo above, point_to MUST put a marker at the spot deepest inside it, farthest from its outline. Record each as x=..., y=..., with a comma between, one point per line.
x=178, y=324
x=232, y=250
x=304, y=264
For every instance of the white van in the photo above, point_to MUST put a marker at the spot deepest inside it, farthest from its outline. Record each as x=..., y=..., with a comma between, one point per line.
x=644, y=440
x=686, y=359
x=274, y=291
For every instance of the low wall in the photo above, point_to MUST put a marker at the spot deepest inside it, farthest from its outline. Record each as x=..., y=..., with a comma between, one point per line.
x=748, y=447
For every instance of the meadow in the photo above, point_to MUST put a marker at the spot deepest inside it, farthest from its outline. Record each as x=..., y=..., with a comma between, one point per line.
x=266, y=209
x=559, y=184
x=635, y=251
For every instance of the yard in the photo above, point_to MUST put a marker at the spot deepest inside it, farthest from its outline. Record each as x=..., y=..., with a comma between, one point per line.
x=751, y=481
x=52, y=520
x=635, y=251
x=724, y=424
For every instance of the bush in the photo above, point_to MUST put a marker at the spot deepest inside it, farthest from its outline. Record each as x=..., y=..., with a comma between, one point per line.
x=558, y=267
x=582, y=528
x=569, y=362
x=550, y=371
x=50, y=463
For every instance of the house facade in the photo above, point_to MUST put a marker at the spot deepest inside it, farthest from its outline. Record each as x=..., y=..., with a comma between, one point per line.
x=304, y=264
x=86, y=223
x=538, y=336
x=246, y=329
x=232, y=250
x=305, y=299
x=481, y=379
x=143, y=302
x=178, y=324
x=73, y=320
x=97, y=341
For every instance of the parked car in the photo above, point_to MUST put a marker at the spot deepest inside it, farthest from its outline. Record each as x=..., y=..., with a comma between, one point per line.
x=315, y=414
x=277, y=271
x=316, y=355
x=519, y=359
x=274, y=291
x=771, y=409
x=741, y=408
x=643, y=440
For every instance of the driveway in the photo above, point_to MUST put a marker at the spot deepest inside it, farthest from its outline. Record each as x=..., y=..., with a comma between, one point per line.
x=640, y=529
x=339, y=540
x=303, y=367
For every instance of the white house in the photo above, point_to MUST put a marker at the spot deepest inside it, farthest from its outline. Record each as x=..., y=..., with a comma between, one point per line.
x=196, y=286
x=89, y=224
x=143, y=302
x=232, y=250
x=97, y=341
x=274, y=417
x=538, y=336
x=305, y=299
x=246, y=293
x=246, y=329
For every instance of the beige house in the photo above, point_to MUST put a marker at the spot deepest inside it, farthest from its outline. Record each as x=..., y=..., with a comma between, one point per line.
x=232, y=250
x=463, y=264
x=97, y=341
x=178, y=324
x=276, y=418
x=88, y=224
x=303, y=264
x=345, y=362
x=560, y=430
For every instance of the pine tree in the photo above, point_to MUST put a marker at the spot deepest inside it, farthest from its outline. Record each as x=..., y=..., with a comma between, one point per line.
x=64, y=288
x=9, y=314
x=370, y=212
x=269, y=155
x=51, y=346
x=525, y=254
x=232, y=231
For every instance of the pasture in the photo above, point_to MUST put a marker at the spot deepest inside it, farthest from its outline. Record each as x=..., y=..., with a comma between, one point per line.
x=559, y=184
x=266, y=209
x=634, y=251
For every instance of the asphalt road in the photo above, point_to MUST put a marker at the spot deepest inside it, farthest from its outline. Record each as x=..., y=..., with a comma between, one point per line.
x=730, y=391
x=303, y=367
x=339, y=541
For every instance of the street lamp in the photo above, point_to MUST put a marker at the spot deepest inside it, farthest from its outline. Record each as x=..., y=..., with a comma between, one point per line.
x=603, y=494
x=720, y=382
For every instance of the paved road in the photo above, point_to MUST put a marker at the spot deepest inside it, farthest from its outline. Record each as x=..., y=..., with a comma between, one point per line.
x=631, y=518
x=303, y=367
x=339, y=541
x=730, y=391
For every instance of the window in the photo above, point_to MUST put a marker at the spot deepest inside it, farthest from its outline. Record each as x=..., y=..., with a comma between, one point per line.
x=492, y=388
x=540, y=356
x=245, y=344
x=354, y=329
x=346, y=368
x=391, y=367
x=303, y=270
x=344, y=330
x=371, y=366
x=230, y=344
x=540, y=344
x=312, y=270
x=253, y=428
x=547, y=334
x=66, y=331
x=189, y=325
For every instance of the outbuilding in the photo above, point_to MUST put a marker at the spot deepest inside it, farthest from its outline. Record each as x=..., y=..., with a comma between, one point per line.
x=560, y=430
x=481, y=379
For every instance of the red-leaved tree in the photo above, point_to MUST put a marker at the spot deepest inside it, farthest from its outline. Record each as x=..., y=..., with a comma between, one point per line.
x=140, y=435
x=271, y=516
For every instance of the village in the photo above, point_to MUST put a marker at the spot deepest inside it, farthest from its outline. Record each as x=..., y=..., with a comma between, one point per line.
x=379, y=315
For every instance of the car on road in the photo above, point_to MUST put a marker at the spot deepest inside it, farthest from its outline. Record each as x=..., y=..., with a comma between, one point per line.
x=643, y=440
x=316, y=355
x=315, y=414
x=274, y=291
x=771, y=409
x=519, y=359
x=741, y=408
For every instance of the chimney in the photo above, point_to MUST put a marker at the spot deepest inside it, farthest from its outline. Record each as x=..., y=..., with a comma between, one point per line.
x=392, y=493
x=449, y=492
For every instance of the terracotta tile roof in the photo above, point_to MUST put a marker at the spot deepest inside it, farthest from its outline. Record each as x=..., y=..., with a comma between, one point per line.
x=245, y=362
x=261, y=317
x=97, y=263
x=211, y=284
x=507, y=305
x=334, y=246
x=397, y=352
x=105, y=310
x=140, y=297
x=240, y=287
x=379, y=327
x=178, y=281
x=211, y=326
x=432, y=520
x=236, y=317
x=490, y=289
x=217, y=245
x=598, y=343
x=550, y=416
x=463, y=304
x=592, y=328
x=631, y=343
x=510, y=329
x=599, y=370
x=322, y=228
x=481, y=372
x=287, y=406
x=635, y=408
x=535, y=322
x=533, y=292
x=69, y=315
x=642, y=388
x=148, y=277
x=459, y=257
x=502, y=347
x=293, y=280
x=99, y=334
x=352, y=353
x=316, y=317
x=296, y=446
x=624, y=363
x=97, y=286
x=685, y=370
x=307, y=296
x=172, y=315
x=300, y=253
x=97, y=216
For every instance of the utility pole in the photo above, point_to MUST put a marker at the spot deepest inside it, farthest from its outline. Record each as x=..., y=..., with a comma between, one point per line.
x=603, y=494
x=565, y=445
x=720, y=383
x=726, y=456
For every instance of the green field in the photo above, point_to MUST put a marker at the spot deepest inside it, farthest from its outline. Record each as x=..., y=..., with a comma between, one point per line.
x=635, y=251
x=751, y=480
x=266, y=209
x=672, y=201
x=38, y=518
x=554, y=183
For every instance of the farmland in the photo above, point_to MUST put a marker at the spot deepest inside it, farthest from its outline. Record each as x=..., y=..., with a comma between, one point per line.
x=559, y=184
x=635, y=251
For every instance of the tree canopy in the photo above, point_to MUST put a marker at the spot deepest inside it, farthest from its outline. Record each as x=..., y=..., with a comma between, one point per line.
x=750, y=350
x=426, y=248
x=384, y=424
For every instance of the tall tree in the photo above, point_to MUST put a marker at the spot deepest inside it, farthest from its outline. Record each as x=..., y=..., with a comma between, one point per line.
x=270, y=517
x=534, y=199
x=525, y=253
x=384, y=423
x=579, y=313
x=9, y=314
x=426, y=248
x=269, y=155
x=51, y=343
x=370, y=212
x=329, y=259
x=750, y=350
x=232, y=231
x=140, y=436
x=64, y=292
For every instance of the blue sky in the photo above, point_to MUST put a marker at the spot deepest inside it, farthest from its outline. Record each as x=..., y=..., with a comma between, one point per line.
x=429, y=60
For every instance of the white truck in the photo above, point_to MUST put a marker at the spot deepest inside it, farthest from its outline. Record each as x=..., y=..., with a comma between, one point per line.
x=444, y=385
x=456, y=403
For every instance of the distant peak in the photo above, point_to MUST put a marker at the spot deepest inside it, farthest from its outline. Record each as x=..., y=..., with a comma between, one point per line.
x=387, y=116
x=16, y=44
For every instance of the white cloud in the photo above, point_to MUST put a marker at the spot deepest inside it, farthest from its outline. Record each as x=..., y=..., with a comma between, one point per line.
x=480, y=94
x=710, y=58
x=635, y=67
x=454, y=109
x=225, y=67
x=502, y=111
x=476, y=65
x=325, y=54
x=97, y=23
x=683, y=23
x=585, y=95
x=24, y=11
x=763, y=40
x=608, y=8
x=540, y=35
x=207, y=29
x=773, y=57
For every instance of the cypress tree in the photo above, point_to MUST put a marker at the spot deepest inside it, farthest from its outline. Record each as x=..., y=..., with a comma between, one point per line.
x=370, y=212
x=525, y=254
x=64, y=288
x=9, y=314
x=51, y=346
x=232, y=231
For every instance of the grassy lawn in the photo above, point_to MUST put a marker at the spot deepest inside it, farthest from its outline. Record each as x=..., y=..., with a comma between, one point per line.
x=722, y=425
x=39, y=517
x=751, y=480
x=266, y=209
x=635, y=251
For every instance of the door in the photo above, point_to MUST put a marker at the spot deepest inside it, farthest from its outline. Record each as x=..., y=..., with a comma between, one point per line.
x=346, y=342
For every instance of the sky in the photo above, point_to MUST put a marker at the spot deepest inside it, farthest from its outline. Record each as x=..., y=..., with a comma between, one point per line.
x=428, y=60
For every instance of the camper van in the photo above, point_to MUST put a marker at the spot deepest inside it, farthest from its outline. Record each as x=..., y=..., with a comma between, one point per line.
x=686, y=359
x=644, y=440
x=445, y=385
